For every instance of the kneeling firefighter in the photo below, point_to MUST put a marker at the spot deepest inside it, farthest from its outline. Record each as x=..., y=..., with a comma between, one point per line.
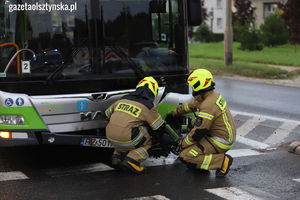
x=214, y=130
x=131, y=120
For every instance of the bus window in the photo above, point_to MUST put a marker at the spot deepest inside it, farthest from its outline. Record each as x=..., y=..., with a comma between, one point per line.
x=56, y=37
x=100, y=39
x=146, y=39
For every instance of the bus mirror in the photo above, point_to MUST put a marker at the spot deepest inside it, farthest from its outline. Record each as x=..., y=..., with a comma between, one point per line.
x=194, y=12
x=158, y=6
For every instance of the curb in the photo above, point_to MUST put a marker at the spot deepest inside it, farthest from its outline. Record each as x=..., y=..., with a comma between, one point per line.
x=294, y=147
x=297, y=150
x=295, y=82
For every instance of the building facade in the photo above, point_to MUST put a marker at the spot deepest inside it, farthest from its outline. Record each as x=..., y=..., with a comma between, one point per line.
x=216, y=10
x=216, y=15
x=263, y=8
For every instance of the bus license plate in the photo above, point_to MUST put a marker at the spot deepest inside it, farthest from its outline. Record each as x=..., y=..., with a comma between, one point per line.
x=96, y=142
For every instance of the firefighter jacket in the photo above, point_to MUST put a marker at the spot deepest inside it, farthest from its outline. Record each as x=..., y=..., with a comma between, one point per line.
x=214, y=116
x=128, y=119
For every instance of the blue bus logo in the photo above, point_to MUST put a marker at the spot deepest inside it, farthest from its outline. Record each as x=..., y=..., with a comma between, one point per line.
x=81, y=105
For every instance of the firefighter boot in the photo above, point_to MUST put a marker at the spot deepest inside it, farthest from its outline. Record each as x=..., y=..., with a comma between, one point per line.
x=133, y=166
x=225, y=167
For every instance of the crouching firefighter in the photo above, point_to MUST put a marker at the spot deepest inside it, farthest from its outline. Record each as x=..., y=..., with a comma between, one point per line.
x=129, y=120
x=213, y=132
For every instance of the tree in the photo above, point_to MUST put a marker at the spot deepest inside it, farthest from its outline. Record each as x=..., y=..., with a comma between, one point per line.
x=243, y=29
x=244, y=12
x=203, y=34
x=249, y=38
x=274, y=31
x=291, y=16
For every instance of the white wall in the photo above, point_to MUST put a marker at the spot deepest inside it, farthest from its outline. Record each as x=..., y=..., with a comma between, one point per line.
x=216, y=15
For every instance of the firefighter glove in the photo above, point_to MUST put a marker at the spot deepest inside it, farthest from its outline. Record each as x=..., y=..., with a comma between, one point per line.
x=157, y=151
x=199, y=134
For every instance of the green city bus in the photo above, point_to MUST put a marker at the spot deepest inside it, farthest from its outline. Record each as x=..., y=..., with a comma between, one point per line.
x=60, y=69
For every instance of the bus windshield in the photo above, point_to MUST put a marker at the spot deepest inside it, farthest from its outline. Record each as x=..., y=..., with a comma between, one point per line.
x=98, y=38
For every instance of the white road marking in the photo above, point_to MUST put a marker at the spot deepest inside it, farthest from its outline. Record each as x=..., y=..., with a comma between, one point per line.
x=98, y=167
x=298, y=180
x=249, y=125
x=235, y=153
x=171, y=159
x=276, y=137
x=155, y=197
x=281, y=133
x=10, y=176
x=234, y=193
x=253, y=143
x=82, y=169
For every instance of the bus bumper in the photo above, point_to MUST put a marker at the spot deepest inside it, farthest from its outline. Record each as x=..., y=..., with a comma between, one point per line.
x=19, y=139
x=44, y=138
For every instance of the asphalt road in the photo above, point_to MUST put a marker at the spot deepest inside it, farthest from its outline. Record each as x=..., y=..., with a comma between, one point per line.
x=260, y=177
x=262, y=168
x=272, y=100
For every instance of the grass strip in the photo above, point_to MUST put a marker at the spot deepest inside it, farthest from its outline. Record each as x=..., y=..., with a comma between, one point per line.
x=280, y=55
x=217, y=67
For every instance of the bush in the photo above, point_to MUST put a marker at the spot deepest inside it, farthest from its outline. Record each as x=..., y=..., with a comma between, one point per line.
x=237, y=29
x=249, y=38
x=203, y=34
x=218, y=37
x=274, y=31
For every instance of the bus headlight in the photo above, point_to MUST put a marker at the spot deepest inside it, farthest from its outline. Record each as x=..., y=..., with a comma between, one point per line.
x=5, y=134
x=11, y=120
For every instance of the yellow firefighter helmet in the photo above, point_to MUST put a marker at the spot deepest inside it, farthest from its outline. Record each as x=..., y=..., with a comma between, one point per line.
x=200, y=79
x=151, y=84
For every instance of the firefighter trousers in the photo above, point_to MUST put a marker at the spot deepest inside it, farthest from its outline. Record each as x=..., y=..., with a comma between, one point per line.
x=138, y=153
x=205, y=155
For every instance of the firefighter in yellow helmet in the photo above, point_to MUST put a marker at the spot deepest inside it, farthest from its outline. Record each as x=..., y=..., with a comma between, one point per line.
x=214, y=130
x=129, y=120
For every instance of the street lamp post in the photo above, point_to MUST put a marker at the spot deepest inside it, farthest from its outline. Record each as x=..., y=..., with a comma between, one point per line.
x=228, y=34
x=211, y=14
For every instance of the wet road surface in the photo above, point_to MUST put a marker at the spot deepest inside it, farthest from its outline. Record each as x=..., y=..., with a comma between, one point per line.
x=260, y=176
x=262, y=167
x=272, y=100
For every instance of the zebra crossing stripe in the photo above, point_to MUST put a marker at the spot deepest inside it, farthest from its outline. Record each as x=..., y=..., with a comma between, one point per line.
x=249, y=125
x=245, y=193
x=235, y=153
x=298, y=180
x=253, y=143
x=10, y=176
x=80, y=169
x=281, y=133
x=150, y=162
x=98, y=167
x=278, y=135
x=155, y=197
